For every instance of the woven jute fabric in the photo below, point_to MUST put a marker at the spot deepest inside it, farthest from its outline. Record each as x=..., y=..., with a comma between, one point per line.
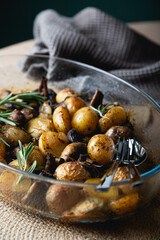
x=98, y=39
x=19, y=224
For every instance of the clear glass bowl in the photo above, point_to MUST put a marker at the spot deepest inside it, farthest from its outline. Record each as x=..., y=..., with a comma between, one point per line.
x=72, y=201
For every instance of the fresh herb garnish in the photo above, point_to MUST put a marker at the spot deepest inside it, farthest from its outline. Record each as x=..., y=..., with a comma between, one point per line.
x=5, y=114
x=4, y=141
x=25, y=152
x=27, y=96
x=101, y=111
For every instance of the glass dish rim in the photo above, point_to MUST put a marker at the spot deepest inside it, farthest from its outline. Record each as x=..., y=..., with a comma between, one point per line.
x=145, y=175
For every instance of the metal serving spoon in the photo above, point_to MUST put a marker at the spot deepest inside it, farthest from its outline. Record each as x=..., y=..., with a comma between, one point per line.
x=130, y=152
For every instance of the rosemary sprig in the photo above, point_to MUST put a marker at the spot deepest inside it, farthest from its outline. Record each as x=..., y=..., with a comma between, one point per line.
x=101, y=111
x=4, y=141
x=27, y=97
x=26, y=152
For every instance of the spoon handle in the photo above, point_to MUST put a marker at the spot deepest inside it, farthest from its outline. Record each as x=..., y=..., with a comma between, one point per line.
x=107, y=179
x=135, y=177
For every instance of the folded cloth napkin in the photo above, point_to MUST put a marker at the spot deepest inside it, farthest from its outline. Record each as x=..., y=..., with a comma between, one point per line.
x=95, y=38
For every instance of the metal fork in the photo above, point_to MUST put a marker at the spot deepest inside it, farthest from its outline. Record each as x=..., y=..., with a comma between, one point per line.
x=127, y=153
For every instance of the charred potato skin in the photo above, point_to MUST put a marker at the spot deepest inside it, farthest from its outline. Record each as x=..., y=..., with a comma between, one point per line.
x=116, y=132
x=115, y=116
x=71, y=171
x=101, y=149
x=61, y=119
x=53, y=142
x=85, y=121
x=73, y=150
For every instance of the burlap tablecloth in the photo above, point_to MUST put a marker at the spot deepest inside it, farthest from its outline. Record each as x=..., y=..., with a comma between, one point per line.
x=18, y=224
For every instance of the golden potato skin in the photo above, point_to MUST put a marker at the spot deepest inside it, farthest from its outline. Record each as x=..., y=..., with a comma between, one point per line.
x=125, y=204
x=9, y=184
x=13, y=134
x=35, y=155
x=60, y=198
x=121, y=174
x=115, y=116
x=71, y=171
x=85, y=121
x=63, y=94
x=74, y=104
x=53, y=142
x=118, y=131
x=61, y=119
x=14, y=163
x=2, y=147
x=101, y=149
x=37, y=126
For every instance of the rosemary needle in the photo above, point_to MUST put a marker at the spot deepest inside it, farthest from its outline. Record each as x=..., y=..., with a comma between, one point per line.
x=101, y=111
x=26, y=152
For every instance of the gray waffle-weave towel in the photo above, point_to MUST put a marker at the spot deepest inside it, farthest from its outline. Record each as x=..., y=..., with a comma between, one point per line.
x=95, y=38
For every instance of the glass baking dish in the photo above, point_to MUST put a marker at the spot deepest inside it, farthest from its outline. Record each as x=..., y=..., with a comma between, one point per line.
x=72, y=201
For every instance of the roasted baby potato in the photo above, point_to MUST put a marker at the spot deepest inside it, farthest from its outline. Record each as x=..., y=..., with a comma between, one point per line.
x=9, y=183
x=2, y=146
x=63, y=94
x=35, y=155
x=72, y=171
x=74, y=104
x=53, y=142
x=121, y=174
x=125, y=204
x=61, y=119
x=60, y=198
x=45, y=111
x=73, y=150
x=116, y=132
x=85, y=121
x=37, y=126
x=13, y=134
x=101, y=149
x=115, y=116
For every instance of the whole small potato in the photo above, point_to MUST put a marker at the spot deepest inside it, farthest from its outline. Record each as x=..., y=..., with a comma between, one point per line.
x=53, y=142
x=2, y=146
x=101, y=149
x=60, y=198
x=121, y=174
x=74, y=104
x=118, y=131
x=37, y=126
x=125, y=204
x=73, y=150
x=35, y=155
x=115, y=116
x=9, y=183
x=71, y=171
x=45, y=111
x=14, y=164
x=61, y=119
x=85, y=121
x=13, y=134
x=63, y=94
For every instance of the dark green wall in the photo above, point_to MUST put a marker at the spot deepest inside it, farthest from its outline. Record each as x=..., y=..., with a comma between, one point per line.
x=16, y=16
